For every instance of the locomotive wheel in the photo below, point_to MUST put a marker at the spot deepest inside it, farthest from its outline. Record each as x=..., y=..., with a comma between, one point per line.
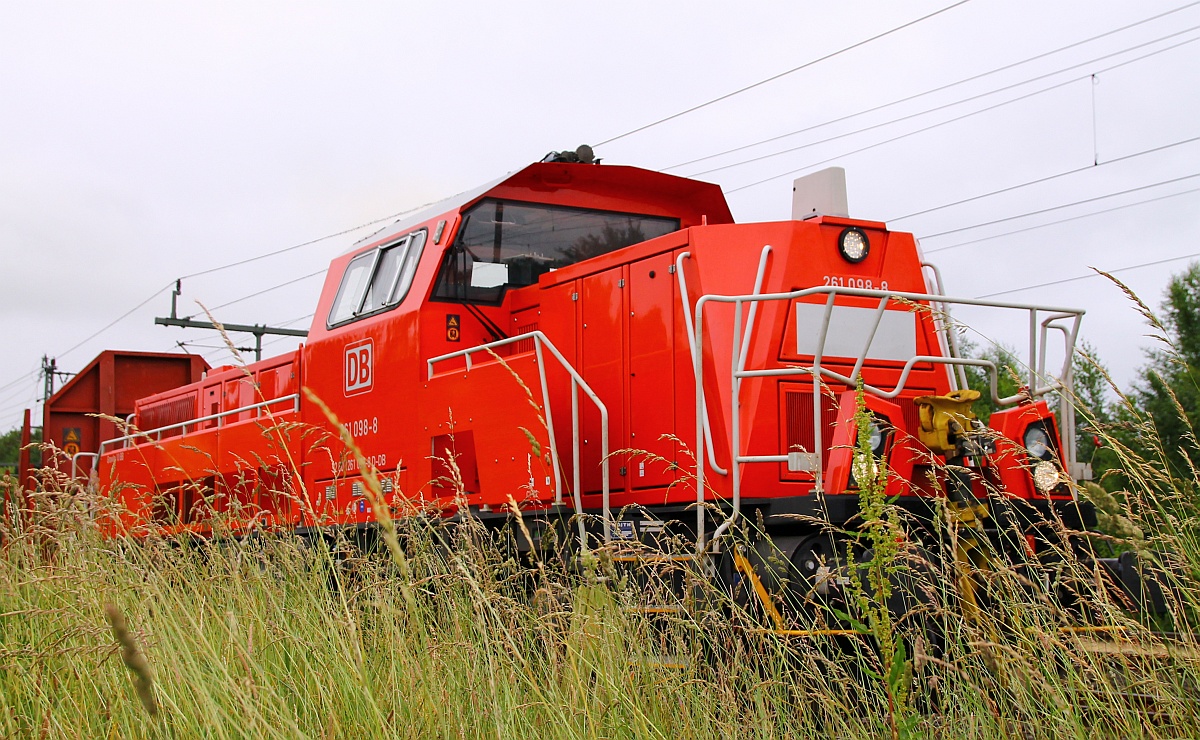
x=799, y=572
x=816, y=561
x=911, y=581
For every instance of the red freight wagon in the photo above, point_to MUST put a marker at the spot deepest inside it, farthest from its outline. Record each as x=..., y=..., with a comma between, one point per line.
x=79, y=415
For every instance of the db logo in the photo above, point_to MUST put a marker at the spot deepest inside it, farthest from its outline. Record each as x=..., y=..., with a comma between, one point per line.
x=359, y=367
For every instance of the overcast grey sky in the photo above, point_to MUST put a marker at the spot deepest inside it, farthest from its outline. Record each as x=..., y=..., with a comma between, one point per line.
x=143, y=141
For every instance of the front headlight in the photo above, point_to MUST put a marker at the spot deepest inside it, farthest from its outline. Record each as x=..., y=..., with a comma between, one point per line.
x=866, y=467
x=1045, y=476
x=853, y=245
x=1037, y=443
x=862, y=469
x=876, y=438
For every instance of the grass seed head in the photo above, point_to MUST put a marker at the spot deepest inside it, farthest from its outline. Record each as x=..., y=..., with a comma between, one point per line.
x=133, y=658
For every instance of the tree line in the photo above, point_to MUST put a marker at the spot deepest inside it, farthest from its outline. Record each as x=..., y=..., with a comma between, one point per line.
x=10, y=449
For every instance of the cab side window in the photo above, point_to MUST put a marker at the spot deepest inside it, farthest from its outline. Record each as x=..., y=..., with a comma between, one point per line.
x=377, y=280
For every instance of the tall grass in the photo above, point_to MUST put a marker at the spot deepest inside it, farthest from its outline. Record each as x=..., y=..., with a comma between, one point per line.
x=277, y=638
x=451, y=629
x=274, y=636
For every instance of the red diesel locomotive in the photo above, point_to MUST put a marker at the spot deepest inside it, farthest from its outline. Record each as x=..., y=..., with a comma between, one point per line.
x=605, y=340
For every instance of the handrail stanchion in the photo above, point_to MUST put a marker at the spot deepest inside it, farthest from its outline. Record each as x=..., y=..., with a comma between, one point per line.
x=959, y=377
x=698, y=372
x=735, y=425
x=818, y=431
x=1066, y=400
x=575, y=472
x=705, y=447
x=1032, y=351
x=75, y=461
x=604, y=475
x=758, y=281
x=558, y=497
x=862, y=357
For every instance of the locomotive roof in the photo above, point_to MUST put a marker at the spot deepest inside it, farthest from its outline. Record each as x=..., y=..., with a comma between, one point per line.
x=539, y=181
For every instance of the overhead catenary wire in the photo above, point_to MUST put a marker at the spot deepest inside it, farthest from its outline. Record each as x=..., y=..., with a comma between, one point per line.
x=21, y=379
x=238, y=263
x=793, y=70
x=1061, y=220
x=310, y=242
x=198, y=345
x=19, y=406
x=14, y=392
x=296, y=320
x=116, y=321
x=15, y=389
x=28, y=396
x=257, y=293
x=955, y=119
x=947, y=86
x=277, y=340
x=954, y=103
x=1047, y=178
x=1060, y=207
x=19, y=391
x=1077, y=278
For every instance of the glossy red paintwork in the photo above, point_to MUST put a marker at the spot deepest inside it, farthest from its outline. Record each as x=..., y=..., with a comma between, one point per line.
x=617, y=318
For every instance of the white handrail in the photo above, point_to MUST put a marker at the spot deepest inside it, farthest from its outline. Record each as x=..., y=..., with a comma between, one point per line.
x=1037, y=359
x=75, y=461
x=577, y=382
x=739, y=366
x=758, y=282
x=707, y=448
x=957, y=381
x=218, y=417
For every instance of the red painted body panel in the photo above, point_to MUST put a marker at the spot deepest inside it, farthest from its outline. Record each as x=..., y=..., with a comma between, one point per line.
x=483, y=430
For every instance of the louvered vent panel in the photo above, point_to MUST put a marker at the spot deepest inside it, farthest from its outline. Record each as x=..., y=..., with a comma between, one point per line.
x=525, y=345
x=798, y=414
x=166, y=413
x=911, y=417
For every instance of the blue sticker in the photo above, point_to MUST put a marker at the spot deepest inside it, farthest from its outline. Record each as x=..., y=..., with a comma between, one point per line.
x=362, y=507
